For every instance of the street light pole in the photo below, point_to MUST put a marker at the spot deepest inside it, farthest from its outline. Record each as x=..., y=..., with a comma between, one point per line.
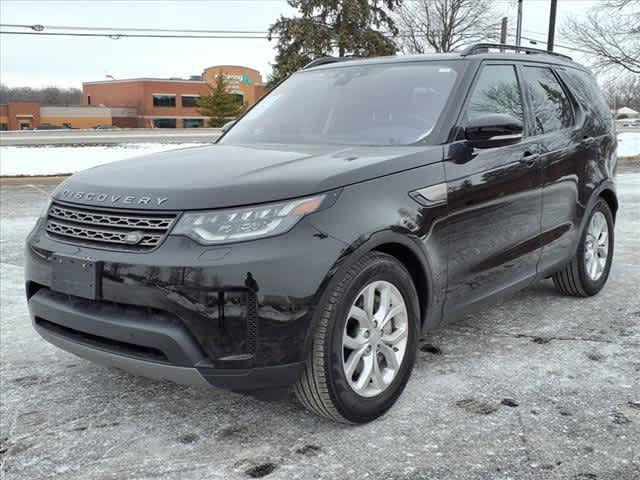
x=503, y=31
x=519, y=24
x=552, y=25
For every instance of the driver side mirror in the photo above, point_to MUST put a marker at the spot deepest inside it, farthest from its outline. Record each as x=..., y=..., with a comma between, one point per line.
x=493, y=130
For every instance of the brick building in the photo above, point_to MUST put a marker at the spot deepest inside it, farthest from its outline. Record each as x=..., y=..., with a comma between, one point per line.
x=28, y=115
x=172, y=103
x=159, y=103
x=19, y=115
x=240, y=81
x=137, y=102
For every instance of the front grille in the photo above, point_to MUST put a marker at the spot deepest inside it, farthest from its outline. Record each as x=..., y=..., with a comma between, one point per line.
x=108, y=228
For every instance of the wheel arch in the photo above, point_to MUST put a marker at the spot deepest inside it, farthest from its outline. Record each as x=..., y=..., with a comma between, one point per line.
x=612, y=200
x=411, y=261
x=412, y=254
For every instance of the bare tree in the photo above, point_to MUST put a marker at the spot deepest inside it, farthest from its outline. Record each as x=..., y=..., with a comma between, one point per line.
x=623, y=91
x=54, y=96
x=444, y=25
x=611, y=33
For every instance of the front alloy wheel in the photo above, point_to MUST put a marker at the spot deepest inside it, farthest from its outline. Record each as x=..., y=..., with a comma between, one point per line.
x=374, y=341
x=364, y=344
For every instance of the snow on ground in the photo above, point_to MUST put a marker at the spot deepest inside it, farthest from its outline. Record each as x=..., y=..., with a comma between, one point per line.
x=51, y=160
x=628, y=144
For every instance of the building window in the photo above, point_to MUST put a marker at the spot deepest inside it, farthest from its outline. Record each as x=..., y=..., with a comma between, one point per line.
x=239, y=98
x=4, y=126
x=164, y=122
x=190, y=101
x=164, y=100
x=193, y=123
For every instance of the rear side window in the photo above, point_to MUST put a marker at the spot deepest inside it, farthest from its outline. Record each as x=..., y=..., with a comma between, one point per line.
x=551, y=107
x=496, y=91
x=585, y=90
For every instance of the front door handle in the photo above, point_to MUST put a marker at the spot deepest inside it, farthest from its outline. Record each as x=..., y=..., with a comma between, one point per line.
x=529, y=159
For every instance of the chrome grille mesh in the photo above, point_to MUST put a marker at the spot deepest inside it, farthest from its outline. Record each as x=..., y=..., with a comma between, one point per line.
x=110, y=220
x=127, y=230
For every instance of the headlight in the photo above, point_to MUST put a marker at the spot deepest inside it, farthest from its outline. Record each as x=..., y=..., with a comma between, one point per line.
x=246, y=223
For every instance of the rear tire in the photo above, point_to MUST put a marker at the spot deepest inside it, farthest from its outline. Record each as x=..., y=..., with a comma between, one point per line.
x=589, y=269
x=359, y=362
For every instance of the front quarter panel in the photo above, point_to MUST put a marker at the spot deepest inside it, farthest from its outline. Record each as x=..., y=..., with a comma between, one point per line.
x=380, y=212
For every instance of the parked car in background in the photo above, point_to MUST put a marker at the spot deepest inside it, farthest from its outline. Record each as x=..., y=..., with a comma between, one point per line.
x=358, y=205
x=50, y=126
x=106, y=127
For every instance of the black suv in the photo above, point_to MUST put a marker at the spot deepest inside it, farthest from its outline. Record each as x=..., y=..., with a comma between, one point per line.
x=356, y=206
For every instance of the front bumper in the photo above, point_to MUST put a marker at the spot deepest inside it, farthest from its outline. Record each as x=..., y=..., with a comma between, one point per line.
x=237, y=317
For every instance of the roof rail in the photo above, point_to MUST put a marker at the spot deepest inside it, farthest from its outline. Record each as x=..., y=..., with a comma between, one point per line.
x=324, y=60
x=484, y=48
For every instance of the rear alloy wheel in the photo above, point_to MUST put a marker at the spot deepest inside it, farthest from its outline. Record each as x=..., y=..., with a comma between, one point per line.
x=588, y=271
x=364, y=344
x=596, y=248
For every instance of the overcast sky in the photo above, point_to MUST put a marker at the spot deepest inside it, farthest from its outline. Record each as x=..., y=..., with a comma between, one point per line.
x=66, y=61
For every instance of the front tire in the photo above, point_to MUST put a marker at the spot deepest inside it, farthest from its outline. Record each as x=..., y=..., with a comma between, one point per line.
x=589, y=269
x=364, y=345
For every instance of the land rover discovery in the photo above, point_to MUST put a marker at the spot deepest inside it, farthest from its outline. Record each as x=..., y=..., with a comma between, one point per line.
x=360, y=204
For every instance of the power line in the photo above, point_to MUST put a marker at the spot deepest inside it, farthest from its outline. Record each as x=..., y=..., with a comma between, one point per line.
x=117, y=36
x=40, y=28
x=536, y=40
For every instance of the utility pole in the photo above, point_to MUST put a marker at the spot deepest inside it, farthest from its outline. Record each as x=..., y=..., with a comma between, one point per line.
x=552, y=25
x=503, y=30
x=519, y=24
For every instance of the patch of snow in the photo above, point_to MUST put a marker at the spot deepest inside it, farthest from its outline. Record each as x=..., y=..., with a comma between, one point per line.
x=628, y=144
x=626, y=111
x=52, y=160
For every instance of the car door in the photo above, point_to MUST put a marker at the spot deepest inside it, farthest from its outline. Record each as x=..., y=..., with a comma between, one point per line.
x=494, y=198
x=566, y=152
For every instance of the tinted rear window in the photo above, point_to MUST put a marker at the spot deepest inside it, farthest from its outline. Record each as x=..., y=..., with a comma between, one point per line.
x=585, y=90
x=388, y=104
x=551, y=106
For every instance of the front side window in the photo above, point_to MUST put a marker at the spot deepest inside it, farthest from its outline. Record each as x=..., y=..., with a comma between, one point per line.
x=551, y=106
x=383, y=104
x=160, y=100
x=496, y=92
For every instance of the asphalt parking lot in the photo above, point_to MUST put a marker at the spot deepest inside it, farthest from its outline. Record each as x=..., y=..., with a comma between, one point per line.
x=537, y=386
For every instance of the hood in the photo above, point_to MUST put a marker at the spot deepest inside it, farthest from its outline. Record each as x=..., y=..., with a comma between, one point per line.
x=218, y=176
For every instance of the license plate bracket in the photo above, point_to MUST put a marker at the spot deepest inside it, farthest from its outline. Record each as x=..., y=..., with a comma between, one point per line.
x=75, y=276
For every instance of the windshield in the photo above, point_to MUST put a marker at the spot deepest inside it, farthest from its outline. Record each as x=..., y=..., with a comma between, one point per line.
x=387, y=104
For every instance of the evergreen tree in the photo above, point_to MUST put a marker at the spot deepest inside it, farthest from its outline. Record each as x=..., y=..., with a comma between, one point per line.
x=360, y=28
x=221, y=106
